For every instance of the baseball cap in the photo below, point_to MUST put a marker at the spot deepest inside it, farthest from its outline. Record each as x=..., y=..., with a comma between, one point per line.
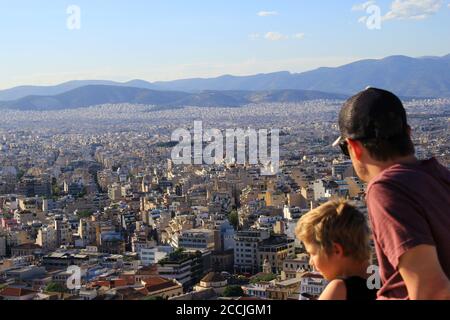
x=372, y=114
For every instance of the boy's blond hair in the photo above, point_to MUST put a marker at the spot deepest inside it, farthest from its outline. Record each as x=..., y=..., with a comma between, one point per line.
x=336, y=222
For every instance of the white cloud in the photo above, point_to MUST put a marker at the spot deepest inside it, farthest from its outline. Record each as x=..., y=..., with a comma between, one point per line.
x=267, y=13
x=363, y=6
x=299, y=36
x=275, y=36
x=413, y=9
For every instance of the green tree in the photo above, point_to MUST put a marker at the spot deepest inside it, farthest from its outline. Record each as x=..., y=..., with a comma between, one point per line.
x=20, y=174
x=84, y=214
x=82, y=193
x=154, y=298
x=56, y=191
x=55, y=287
x=265, y=277
x=233, y=218
x=233, y=291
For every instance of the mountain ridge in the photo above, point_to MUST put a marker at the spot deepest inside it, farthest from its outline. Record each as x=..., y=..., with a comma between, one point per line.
x=426, y=76
x=103, y=94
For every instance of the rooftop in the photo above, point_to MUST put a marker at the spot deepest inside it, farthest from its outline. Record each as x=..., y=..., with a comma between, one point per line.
x=29, y=246
x=154, y=284
x=15, y=292
x=213, y=277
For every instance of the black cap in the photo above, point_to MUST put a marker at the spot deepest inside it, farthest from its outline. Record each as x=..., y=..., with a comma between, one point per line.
x=373, y=114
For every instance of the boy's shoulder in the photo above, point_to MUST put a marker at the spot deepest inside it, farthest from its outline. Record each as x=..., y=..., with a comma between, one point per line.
x=357, y=288
x=335, y=290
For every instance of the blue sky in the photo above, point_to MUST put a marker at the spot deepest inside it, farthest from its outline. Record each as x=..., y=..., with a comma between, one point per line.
x=173, y=39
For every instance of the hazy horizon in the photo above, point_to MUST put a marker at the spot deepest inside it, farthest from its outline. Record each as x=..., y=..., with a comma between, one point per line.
x=127, y=79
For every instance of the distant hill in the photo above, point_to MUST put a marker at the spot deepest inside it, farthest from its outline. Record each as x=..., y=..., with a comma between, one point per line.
x=421, y=77
x=405, y=76
x=101, y=94
x=24, y=91
x=411, y=77
x=94, y=95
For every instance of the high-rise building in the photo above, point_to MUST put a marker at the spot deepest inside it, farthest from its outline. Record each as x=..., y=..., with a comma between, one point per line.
x=186, y=267
x=47, y=238
x=196, y=239
x=63, y=232
x=2, y=245
x=31, y=186
x=246, y=249
x=115, y=192
x=87, y=231
x=275, y=250
x=342, y=170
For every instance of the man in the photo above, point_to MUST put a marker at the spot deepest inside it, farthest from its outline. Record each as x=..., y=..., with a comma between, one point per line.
x=408, y=200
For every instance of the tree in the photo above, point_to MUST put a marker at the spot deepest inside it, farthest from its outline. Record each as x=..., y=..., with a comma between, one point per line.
x=265, y=277
x=233, y=291
x=20, y=174
x=56, y=191
x=233, y=218
x=84, y=214
x=154, y=298
x=82, y=193
x=55, y=287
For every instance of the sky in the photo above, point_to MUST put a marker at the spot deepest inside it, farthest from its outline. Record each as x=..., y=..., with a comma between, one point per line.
x=47, y=42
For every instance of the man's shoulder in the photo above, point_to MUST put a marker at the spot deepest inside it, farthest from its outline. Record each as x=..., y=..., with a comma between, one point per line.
x=405, y=176
x=394, y=184
x=394, y=177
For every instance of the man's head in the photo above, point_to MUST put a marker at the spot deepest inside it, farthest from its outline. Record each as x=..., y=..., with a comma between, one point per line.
x=374, y=130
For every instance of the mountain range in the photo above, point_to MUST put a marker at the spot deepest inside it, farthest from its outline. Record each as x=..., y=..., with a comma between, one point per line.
x=91, y=95
x=405, y=76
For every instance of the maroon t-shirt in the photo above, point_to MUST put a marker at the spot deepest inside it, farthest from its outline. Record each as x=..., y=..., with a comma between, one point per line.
x=409, y=205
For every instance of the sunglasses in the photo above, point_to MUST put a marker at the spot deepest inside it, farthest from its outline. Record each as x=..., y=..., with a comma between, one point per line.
x=343, y=144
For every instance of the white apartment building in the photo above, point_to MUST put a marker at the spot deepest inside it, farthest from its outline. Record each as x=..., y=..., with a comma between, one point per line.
x=196, y=239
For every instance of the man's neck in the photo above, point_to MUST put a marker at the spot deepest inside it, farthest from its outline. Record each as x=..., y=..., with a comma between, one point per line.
x=378, y=167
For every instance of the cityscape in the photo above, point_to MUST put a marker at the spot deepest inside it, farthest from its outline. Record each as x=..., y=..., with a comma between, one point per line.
x=96, y=188
x=168, y=150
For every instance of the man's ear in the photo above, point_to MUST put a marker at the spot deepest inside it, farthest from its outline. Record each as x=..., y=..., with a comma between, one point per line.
x=355, y=148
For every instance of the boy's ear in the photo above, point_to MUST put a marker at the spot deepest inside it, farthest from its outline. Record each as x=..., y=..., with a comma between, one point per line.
x=338, y=249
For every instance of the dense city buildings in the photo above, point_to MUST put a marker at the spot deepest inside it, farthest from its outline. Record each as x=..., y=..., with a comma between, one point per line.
x=93, y=193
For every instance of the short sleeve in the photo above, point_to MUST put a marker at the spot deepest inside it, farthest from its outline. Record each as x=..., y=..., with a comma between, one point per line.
x=399, y=223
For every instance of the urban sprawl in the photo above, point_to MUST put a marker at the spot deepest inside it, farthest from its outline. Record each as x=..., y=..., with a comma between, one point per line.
x=93, y=207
